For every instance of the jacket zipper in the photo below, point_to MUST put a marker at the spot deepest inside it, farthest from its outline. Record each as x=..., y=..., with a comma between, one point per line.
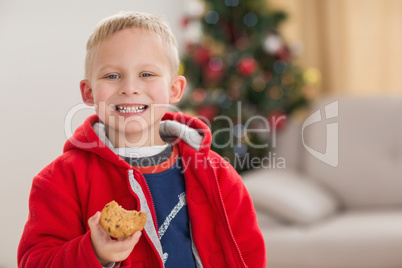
x=153, y=210
x=153, y=207
x=215, y=176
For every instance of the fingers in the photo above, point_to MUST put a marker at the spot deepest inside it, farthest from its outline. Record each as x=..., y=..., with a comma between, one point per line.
x=125, y=246
x=94, y=219
x=94, y=224
x=129, y=242
x=98, y=235
x=107, y=249
x=133, y=240
x=136, y=236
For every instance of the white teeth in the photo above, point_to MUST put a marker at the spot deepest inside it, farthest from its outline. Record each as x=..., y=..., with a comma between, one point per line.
x=130, y=109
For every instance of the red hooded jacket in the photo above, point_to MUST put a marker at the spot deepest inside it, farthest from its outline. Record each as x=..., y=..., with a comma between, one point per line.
x=88, y=175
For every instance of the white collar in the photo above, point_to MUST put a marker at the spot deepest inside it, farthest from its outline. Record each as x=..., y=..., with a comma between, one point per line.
x=135, y=152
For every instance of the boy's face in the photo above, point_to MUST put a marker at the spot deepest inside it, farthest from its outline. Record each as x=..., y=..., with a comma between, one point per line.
x=131, y=86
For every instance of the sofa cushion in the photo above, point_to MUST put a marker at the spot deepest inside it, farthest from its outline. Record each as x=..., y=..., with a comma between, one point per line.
x=354, y=239
x=289, y=196
x=266, y=220
x=369, y=143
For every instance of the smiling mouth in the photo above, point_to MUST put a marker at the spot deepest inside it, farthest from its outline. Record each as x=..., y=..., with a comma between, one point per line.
x=132, y=109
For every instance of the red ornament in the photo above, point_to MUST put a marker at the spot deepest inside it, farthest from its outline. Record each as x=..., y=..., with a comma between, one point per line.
x=207, y=113
x=202, y=56
x=283, y=54
x=212, y=76
x=199, y=94
x=214, y=72
x=277, y=120
x=247, y=66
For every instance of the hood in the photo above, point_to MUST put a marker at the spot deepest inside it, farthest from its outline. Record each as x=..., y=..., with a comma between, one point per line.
x=189, y=132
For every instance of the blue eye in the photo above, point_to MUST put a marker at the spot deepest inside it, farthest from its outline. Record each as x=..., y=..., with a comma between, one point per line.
x=145, y=75
x=113, y=76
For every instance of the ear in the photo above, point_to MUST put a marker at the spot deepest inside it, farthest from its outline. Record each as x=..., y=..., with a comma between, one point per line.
x=86, y=93
x=177, y=89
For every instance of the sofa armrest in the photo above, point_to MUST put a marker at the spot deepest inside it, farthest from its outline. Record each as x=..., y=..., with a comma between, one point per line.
x=289, y=196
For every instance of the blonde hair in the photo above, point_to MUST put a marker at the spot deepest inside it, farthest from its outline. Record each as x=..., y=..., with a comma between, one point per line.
x=127, y=19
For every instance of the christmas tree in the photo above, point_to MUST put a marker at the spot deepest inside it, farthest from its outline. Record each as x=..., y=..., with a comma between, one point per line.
x=242, y=81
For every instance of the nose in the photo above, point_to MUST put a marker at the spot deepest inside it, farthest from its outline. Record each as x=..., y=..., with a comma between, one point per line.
x=129, y=87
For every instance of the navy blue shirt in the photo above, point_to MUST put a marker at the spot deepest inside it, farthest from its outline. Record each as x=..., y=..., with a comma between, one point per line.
x=168, y=191
x=169, y=195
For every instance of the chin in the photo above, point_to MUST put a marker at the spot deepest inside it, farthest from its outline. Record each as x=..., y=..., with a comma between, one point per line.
x=141, y=135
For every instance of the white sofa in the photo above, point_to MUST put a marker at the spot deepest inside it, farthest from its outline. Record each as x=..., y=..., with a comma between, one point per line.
x=338, y=202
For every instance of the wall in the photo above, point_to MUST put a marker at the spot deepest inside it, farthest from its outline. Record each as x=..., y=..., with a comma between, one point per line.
x=356, y=44
x=42, y=51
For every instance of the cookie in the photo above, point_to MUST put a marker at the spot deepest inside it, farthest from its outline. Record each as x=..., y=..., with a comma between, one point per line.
x=121, y=223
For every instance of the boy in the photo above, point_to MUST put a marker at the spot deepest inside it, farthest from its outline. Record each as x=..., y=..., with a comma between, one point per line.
x=133, y=151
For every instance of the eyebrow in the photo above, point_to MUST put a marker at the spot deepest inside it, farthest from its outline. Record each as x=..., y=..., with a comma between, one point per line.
x=107, y=66
x=150, y=65
x=140, y=66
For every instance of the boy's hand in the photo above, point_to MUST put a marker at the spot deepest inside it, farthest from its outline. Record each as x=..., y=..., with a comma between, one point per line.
x=106, y=249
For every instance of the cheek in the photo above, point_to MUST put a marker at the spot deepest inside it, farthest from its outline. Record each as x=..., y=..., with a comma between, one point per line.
x=102, y=105
x=158, y=110
x=160, y=94
x=161, y=99
x=102, y=95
